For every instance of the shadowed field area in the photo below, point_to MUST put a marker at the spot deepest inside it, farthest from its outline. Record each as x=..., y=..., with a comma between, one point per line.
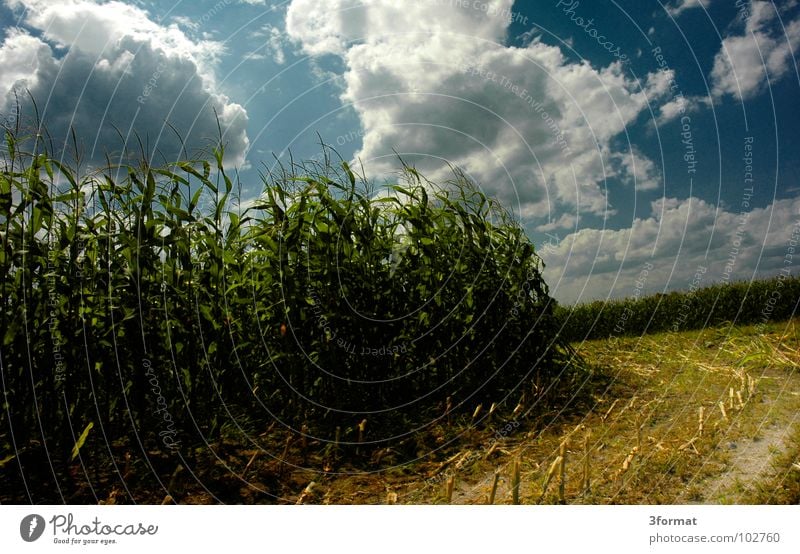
x=709, y=416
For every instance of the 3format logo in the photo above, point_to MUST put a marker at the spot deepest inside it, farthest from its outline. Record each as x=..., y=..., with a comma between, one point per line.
x=31, y=527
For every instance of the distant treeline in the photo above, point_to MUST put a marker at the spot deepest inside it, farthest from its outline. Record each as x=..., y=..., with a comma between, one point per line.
x=740, y=302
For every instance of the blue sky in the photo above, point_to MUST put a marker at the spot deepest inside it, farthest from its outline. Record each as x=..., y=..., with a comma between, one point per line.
x=625, y=135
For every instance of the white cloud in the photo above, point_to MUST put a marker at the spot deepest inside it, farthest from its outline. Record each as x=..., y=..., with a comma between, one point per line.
x=274, y=42
x=22, y=59
x=121, y=68
x=678, y=237
x=187, y=22
x=684, y=5
x=679, y=106
x=639, y=170
x=762, y=54
x=96, y=28
x=437, y=84
x=336, y=26
x=565, y=221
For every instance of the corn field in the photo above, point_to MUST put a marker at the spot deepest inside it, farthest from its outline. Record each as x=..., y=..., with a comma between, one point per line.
x=147, y=307
x=740, y=303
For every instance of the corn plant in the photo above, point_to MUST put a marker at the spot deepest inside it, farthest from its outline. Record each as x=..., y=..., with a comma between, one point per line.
x=143, y=308
x=740, y=303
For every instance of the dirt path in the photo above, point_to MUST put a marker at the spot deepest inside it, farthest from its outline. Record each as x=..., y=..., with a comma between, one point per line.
x=750, y=462
x=751, y=457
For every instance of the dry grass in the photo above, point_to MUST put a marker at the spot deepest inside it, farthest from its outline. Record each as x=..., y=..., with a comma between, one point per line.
x=669, y=440
x=662, y=428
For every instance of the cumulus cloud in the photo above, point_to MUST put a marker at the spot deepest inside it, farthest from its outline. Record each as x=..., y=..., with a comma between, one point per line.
x=684, y=5
x=23, y=59
x=93, y=66
x=639, y=170
x=680, y=106
x=274, y=42
x=762, y=53
x=676, y=239
x=435, y=82
x=564, y=221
